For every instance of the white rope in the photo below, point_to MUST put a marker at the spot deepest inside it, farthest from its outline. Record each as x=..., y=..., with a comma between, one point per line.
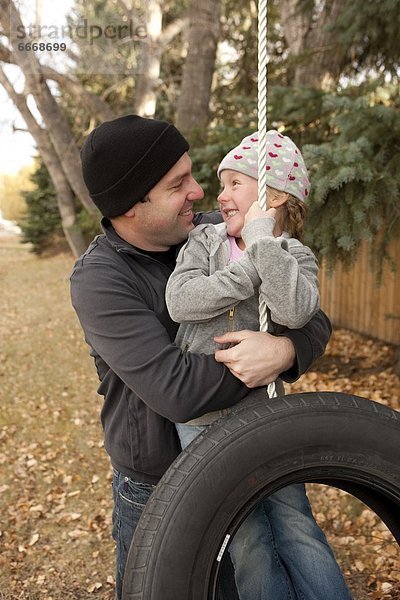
x=262, y=101
x=262, y=138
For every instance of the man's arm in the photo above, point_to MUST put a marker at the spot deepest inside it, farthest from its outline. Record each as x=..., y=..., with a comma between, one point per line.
x=258, y=358
x=310, y=343
x=124, y=331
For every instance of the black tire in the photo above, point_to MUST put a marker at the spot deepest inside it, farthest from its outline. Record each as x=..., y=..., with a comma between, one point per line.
x=336, y=439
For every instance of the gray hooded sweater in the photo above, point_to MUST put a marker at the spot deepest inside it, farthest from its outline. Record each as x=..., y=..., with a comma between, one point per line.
x=208, y=295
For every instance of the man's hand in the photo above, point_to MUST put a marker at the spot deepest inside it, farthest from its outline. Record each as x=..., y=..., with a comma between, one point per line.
x=257, y=358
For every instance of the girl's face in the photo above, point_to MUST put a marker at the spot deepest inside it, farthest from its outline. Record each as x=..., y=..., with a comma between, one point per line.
x=238, y=194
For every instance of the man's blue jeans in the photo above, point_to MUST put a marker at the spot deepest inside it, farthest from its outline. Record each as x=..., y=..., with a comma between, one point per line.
x=130, y=498
x=279, y=552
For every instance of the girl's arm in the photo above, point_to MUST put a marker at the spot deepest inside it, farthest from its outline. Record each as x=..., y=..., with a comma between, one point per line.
x=288, y=272
x=193, y=295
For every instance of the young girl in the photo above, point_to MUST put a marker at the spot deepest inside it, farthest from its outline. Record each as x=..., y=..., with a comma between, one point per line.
x=279, y=551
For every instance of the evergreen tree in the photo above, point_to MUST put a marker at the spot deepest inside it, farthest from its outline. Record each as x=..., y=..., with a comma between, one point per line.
x=41, y=223
x=347, y=123
x=356, y=175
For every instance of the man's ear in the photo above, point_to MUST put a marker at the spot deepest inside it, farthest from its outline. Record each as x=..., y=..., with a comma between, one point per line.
x=130, y=212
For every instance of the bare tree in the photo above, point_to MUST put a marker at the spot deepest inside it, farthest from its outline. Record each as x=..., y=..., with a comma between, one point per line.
x=53, y=117
x=310, y=33
x=64, y=194
x=203, y=36
x=52, y=132
x=98, y=108
x=147, y=78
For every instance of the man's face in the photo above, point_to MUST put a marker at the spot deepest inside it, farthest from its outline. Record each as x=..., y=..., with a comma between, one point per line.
x=166, y=218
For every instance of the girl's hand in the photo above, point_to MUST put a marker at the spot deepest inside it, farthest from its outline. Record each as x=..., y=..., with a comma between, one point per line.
x=255, y=212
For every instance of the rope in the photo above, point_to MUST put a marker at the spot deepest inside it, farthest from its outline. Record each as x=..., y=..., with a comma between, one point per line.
x=262, y=101
x=262, y=139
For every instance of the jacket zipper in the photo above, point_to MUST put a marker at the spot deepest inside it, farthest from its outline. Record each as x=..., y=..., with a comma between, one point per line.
x=231, y=316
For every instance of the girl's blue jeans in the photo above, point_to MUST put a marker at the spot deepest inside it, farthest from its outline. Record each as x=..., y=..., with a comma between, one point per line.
x=279, y=552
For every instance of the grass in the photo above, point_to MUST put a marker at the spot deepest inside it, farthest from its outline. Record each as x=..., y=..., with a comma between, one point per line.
x=55, y=482
x=55, y=477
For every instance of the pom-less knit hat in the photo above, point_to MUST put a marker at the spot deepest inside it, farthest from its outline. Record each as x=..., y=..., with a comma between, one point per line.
x=286, y=169
x=123, y=159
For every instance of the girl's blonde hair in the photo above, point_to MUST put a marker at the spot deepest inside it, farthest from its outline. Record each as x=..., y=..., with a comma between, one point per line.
x=291, y=214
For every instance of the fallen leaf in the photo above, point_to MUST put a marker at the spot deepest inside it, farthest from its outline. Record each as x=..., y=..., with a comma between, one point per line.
x=359, y=565
x=77, y=533
x=93, y=587
x=34, y=539
x=386, y=587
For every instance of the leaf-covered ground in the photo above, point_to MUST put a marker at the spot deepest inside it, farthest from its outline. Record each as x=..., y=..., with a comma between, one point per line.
x=55, y=484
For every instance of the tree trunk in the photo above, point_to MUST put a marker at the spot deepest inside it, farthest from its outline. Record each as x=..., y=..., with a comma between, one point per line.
x=54, y=119
x=148, y=76
x=147, y=80
x=64, y=195
x=65, y=203
x=96, y=107
x=203, y=36
x=310, y=38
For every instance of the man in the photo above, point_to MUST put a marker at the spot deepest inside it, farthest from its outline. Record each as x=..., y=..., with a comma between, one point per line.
x=139, y=175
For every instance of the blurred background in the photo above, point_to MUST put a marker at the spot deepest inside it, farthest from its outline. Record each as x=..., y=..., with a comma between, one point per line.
x=333, y=86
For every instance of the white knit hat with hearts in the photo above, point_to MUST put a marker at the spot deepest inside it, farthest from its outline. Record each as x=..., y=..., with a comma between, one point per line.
x=286, y=169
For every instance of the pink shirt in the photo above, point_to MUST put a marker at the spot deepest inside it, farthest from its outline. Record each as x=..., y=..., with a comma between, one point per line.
x=236, y=252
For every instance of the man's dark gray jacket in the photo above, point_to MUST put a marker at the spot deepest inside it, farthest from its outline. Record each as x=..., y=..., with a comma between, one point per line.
x=147, y=382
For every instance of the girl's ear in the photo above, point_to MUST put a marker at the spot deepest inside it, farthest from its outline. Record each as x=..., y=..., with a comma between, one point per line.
x=278, y=199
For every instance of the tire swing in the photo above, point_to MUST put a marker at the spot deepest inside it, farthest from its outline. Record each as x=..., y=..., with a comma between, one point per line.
x=329, y=438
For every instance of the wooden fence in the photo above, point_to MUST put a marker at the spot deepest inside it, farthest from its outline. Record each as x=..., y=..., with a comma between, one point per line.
x=352, y=299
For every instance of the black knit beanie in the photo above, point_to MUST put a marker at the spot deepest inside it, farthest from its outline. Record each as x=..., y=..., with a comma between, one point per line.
x=123, y=159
